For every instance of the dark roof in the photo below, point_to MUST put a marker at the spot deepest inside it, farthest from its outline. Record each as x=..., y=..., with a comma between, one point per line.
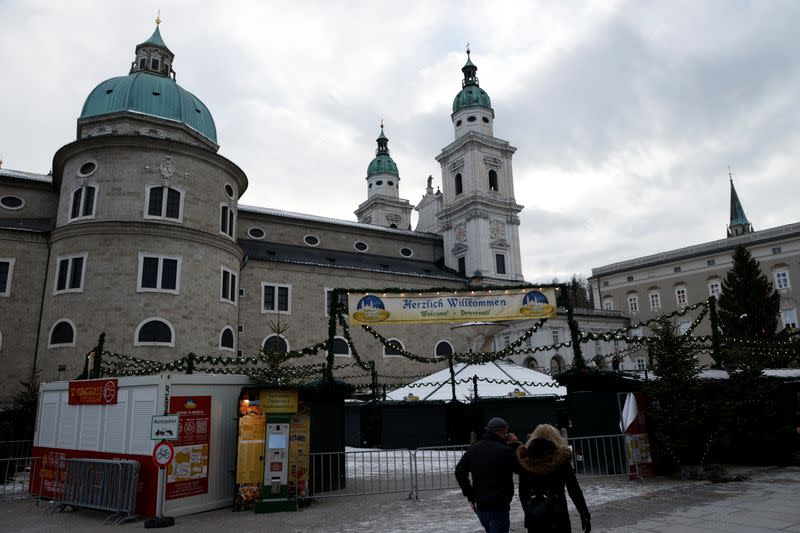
x=38, y=225
x=304, y=255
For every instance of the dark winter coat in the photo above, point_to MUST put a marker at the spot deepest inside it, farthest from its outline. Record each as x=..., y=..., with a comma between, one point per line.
x=546, y=467
x=492, y=463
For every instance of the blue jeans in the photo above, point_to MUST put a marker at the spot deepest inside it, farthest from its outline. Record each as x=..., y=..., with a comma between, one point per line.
x=494, y=521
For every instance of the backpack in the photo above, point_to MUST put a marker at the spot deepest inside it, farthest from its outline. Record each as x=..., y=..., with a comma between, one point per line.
x=541, y=511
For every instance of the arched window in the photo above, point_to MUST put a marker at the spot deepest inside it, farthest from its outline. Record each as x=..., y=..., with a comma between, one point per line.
x=62, y=334
x=557, y=364
x=276, y=344
x=340, y=347
x=492, y=180
x=459, y=186
x=531, y=362
x=393, y=348
x=444, y=348
x=154, y=331
x=226, y=339
x=83, y=202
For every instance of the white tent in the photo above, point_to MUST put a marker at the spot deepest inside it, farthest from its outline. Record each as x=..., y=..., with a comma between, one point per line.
x=512, y=380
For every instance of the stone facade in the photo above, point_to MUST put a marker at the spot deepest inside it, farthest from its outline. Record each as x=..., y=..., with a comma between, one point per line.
x=139, y=233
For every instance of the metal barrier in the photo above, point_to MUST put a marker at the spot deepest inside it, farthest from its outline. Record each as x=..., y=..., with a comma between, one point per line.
x=103, y=485
x=602, y=456
x=360, y=472
x=15, y=477
x=365, y=472
x=434, y=467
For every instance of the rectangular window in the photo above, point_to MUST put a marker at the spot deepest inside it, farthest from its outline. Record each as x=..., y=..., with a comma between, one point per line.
x=640, y=365
x=608, y=304
x=83, y=199
x=164, y=203
x=630, y=278
x=6, y=271
x=227, y=286
x=776, y=250
x=789, y=317
x=681, y=297
x=676, y=269
x=329, y=301
x=782, y=279
x=276, y=298
x=70, y=273
x=655, y=301
x=142, y=63
x=714, y=289
x=500, y=261
x=159, y=274
x=154, y=64
x=597, y=348
x=711, y=262
x=462, y=266
x=633, y=304
x=226, y=220
x=554, y=333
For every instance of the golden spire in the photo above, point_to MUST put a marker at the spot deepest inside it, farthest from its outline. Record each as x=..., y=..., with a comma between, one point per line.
x=158, y=18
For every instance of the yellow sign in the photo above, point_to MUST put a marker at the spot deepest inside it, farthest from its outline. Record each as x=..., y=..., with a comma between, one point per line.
x=278, y=401
x=454, y=307
x=250, y=462
x=299, y=448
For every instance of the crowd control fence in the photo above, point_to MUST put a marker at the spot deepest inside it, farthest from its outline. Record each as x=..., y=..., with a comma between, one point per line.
x=103, y=485
x=365, y=472
x=15, y=477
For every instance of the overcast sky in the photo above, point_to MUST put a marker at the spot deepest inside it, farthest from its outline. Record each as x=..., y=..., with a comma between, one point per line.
x=626, y=115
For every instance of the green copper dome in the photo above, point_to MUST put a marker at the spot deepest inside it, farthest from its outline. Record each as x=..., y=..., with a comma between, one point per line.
x=471, y=94
x=150, y=94
x=150, y=89
x=383, y=163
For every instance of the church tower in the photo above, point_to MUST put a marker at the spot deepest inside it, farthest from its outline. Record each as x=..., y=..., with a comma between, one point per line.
x=479, y=218
x=739, y=225
x=383, y=206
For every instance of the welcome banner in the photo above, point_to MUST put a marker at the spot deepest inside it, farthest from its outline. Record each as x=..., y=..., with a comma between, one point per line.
x=454, y=307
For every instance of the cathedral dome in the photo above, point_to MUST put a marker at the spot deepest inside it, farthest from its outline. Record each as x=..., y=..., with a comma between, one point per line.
x=150, y=94
x=383, y=163
x=150, y=89
x=471, y=94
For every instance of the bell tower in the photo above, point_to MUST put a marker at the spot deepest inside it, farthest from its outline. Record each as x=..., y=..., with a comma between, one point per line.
x=383, y=206
x=479, y=218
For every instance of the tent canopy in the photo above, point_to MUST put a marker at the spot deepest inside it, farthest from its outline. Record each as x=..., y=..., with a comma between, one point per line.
x=513, y=381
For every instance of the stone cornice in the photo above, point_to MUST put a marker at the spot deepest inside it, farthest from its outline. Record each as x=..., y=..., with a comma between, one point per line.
x=156, y=229
x=151, y=143
x=476, y=201
x=477, y=138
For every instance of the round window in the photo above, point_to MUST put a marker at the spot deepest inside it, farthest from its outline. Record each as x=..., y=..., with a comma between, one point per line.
x=12, y=202
x=369, y=186
x=471, y=119
x=406, y=252
x=87, y=168
x=256, y=233
x=389, y=183
x=229, y=190
x=361, y=246
x=311, y=240
x=379, y=182
x=458, y=123
x=486, y=120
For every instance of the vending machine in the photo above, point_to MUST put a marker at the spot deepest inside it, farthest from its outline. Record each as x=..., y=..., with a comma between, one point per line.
x=275, y=486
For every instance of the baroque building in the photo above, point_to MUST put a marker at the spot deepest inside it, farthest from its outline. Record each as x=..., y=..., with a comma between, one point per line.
x=653, y=285
x=139, y=233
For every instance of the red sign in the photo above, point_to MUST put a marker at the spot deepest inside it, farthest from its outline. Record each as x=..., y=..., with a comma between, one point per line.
x=93, y=391
x=188, y=473
x=163, y=454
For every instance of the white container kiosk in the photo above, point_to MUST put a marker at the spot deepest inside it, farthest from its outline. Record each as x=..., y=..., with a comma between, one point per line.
x=201, y=477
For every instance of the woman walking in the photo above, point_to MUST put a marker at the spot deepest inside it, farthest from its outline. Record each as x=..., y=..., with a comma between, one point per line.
x=546, y=462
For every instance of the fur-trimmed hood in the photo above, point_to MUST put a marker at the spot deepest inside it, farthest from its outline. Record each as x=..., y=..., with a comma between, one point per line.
x=541, y=456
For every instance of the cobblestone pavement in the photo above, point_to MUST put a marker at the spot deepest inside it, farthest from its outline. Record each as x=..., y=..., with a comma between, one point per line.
x=768, y=500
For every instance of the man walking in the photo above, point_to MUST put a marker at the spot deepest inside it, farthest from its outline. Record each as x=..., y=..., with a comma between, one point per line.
x=491, y=462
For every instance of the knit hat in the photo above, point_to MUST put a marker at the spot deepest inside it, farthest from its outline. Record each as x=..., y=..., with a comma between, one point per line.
x=496, y=424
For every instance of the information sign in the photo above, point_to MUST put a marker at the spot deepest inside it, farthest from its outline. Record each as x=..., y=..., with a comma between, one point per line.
x=164, y=427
